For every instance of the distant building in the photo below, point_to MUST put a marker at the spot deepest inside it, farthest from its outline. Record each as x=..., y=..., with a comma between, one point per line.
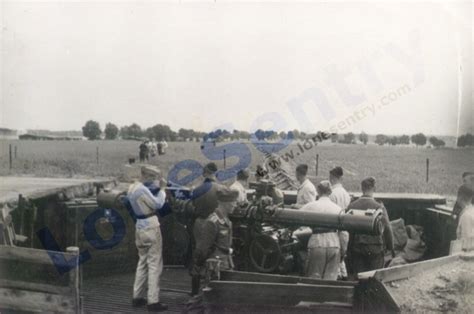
x=8, y=134
x=46, y=135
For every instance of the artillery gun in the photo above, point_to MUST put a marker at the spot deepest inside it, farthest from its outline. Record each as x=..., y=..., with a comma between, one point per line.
x=266, y=235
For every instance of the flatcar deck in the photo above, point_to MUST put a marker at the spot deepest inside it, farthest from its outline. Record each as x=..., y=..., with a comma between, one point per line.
x=113, y=294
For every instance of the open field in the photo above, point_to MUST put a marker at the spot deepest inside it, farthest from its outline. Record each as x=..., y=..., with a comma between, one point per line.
x=397, y=169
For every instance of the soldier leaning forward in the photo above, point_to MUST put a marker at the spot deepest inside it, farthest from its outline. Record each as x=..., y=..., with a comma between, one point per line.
x=213, y=237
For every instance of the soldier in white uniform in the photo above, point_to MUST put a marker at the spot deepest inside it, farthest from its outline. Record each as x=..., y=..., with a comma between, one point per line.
x=240, y=184
x=324, y=249
x=306, y=190
x=146, y=288
x=340, y=196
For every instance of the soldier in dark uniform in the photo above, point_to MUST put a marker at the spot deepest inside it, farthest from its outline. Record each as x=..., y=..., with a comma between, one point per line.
x=204, y=199
x=367, y=251
x=143, y=152
x=222, y=231
x=213, y=236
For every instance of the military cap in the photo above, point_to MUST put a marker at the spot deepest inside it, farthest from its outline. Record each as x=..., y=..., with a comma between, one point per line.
x=368, y=183
x=324, y=188
x=337, y=172
x=226, y=194
x=150, y=171
x=210, y=168
x=243, y=174
x=302, y=169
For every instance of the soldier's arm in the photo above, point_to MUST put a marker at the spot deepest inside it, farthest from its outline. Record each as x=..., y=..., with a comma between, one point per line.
x=152, y=201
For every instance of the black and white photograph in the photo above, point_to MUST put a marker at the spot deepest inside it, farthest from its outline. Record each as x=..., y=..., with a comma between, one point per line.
x=217, y=156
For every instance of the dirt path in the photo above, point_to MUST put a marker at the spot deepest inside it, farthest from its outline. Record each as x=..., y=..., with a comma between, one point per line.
x=449, y=289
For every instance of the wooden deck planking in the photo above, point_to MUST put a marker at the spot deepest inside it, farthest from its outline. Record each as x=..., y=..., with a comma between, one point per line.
x=109, y=294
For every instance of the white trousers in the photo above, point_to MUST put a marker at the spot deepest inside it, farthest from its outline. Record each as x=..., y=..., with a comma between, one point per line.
x=150, y=264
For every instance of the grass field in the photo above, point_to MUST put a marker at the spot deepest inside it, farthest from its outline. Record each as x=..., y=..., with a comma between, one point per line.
x=397, y=169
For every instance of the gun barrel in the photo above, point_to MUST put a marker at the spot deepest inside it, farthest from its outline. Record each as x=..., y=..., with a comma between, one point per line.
x=110, y=199
x=366, y=224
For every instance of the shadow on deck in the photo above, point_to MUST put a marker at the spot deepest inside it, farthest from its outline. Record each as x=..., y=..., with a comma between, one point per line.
x=113, y=294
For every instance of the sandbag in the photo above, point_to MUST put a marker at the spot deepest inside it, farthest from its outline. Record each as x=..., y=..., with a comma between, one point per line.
x=400, y=235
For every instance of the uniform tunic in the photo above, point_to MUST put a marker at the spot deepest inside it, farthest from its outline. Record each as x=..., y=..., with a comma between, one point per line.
x=306, y=193
x=367, y=251
x=323, y=247
x=148, y=241
x=213, y=236
x=466, y=223
x=242, y=191
x=340, y=196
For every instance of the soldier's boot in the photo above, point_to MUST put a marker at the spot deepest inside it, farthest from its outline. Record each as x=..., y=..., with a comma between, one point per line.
x=195, y=284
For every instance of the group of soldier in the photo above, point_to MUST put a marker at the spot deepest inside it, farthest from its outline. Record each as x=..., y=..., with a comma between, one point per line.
x=328, y=249
x=151, y=148
x=212, y=202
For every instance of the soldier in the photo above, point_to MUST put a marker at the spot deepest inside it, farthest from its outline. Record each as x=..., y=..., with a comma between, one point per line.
x=306, y=190
x=222, y=233
x=204, y=199
x=240, y=184
x=143, y=152
x=366, y=251
x=468, y=181
x=147, y=239
x=340, y=196
x=213, y=236
x=465, y=227
x=324, y=247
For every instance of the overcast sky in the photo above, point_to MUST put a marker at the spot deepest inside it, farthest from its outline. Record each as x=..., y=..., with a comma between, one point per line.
x=309, y=66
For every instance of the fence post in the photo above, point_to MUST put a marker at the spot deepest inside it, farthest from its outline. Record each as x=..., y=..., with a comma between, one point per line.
x=427, y=169
x=224, y=158
x=317, y=164
x=74, y=277
x=97, y=154
x=10, y=157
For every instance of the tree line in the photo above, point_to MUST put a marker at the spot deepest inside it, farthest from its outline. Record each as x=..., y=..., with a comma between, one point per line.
x=160, y=132
x=93, y=131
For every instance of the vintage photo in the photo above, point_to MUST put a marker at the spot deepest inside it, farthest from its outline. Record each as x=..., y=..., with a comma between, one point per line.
x=236, y=156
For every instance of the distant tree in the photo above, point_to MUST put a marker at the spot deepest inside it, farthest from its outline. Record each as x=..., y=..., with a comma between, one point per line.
x=186, y=134
x=419, y=139
x=393, y=140
x=381, y=139
x=91, y=130
x=260, y=134
x=135, y=130
x=364, y=138
x=290, y=135
x=244, y=135
x=161, y=132
x=111, y=131
x=436, y=142
x=334, y=138
x=273, y=136
x=349, y=138
x=282, y=135
x=296, y=134
x=465, y=140
x=132, y=131
x=404, y=140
